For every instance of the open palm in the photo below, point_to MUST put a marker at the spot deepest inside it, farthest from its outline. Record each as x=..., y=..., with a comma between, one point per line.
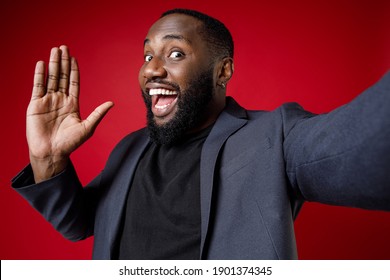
x=54, y=126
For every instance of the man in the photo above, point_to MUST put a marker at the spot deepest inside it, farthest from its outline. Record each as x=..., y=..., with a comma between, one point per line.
x=206, y=178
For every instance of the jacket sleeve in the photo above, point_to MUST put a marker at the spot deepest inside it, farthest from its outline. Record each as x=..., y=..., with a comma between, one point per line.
x=62, y=201
x=343, y=157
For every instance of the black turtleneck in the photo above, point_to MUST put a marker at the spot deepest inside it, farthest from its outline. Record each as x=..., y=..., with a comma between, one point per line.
x=162, y=217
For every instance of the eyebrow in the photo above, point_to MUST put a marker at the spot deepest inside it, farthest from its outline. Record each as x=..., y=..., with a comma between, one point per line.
x=169, y=37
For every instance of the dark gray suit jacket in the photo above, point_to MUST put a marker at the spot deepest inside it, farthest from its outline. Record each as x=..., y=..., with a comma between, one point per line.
x=257, y=168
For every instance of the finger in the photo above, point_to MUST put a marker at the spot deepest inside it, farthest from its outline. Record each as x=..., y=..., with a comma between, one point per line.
x=64, y=70
x=39, y=81
x=54, y=68
x=96, y=116
x=74, y=79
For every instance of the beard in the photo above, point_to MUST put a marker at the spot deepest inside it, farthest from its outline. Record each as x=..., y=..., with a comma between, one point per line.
x=191, y=106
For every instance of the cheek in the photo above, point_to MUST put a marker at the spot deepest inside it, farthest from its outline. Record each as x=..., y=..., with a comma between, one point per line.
x=141, y=77
x=181, y=76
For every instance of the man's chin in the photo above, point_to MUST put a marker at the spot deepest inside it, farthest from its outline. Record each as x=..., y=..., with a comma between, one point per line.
x=163, y=131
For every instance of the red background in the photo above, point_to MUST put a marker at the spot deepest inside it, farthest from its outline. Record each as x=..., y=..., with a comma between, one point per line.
x=318, y=53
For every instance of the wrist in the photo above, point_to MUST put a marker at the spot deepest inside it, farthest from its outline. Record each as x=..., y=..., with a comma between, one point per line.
x=48, y=167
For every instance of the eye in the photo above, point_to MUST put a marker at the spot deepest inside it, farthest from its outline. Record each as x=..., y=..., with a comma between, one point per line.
x=148, y=57
x=176, y=54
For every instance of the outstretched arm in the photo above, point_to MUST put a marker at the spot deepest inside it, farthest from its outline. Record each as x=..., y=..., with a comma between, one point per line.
x=343, y=157
x=54, y=126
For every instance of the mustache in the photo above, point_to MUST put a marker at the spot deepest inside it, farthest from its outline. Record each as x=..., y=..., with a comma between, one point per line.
x=164, y=82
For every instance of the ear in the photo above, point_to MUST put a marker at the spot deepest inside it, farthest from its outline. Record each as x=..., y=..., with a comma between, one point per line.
x=226, y=69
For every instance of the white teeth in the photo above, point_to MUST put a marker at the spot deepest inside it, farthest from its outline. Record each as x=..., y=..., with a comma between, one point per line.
x=162, y=91
x=162, y=106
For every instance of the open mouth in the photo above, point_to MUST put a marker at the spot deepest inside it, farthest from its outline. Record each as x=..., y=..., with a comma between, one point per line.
x=163, y=101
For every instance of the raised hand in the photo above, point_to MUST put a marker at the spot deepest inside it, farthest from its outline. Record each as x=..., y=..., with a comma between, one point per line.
x=54, y=126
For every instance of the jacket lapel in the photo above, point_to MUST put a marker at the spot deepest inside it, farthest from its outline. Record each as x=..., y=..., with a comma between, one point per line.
x=232, y=118
x=112, y=208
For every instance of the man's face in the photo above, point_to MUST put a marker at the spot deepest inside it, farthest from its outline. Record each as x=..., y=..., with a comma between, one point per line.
x=176, y=78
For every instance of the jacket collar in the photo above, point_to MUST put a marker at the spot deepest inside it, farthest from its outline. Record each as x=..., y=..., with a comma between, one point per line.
x=234, y=109
x=232, y=118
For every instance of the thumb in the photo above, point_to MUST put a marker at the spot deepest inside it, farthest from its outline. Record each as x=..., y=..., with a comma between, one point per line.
x=92, y=121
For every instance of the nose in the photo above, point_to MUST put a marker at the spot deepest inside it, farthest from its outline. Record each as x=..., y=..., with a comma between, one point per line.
x=154, y=69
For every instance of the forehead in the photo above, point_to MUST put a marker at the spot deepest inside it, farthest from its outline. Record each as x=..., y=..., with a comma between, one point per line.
x=175, y=26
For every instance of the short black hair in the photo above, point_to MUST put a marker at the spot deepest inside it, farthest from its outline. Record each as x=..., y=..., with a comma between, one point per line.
x=216, y=33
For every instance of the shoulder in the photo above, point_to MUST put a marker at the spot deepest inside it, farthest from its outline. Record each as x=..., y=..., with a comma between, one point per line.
x=272, y=126
x=286, y=115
